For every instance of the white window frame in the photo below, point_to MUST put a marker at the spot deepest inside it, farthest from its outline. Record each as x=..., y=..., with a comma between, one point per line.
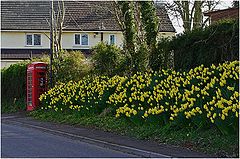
x=80, y=34
x=114, y=39
x=32, y=34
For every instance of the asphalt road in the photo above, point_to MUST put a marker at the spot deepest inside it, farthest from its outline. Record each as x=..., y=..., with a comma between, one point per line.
x=19, y=141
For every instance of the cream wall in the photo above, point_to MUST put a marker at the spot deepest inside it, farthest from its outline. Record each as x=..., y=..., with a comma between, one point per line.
x=15, y=40
x=7, y=63
x=166, y=35
x=10, y=40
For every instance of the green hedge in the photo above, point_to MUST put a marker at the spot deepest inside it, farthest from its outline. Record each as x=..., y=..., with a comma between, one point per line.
x=212, y=45
x=13, y=84
x=13, y=87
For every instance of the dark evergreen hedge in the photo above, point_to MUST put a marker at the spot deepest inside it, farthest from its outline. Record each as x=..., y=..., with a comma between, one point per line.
x=212, y=45
x=13, y=81
x=13, y=87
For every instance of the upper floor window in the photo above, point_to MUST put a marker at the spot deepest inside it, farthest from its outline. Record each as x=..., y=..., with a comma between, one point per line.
x=112, y=39
x=81, y=39
x=33, y=39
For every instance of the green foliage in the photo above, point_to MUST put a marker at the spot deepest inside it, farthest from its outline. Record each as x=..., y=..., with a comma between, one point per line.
x=162, y=58
x=13, y=86
x=150, y=24
x=44, y=58
x=72, y=66
x=13, y=81
x=212, y=45
x=135, y=48
x=108, y=59
x=130, y=26
x=13, y=105
x=141, y=58
x=150, y=21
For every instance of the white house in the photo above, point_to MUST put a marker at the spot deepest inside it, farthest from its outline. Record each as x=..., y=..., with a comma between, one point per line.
x=25, y=27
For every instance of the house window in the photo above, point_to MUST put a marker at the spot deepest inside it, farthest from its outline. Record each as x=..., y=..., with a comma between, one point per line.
x=81, y=39
x=77, y=39
x=29, y=39
x=112, y=39
x=37, y=39
x=84, y=39
x=33, y=39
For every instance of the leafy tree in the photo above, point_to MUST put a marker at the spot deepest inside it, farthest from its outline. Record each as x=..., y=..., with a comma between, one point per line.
x=150, y=23
x=125, y=14
x=139, y=23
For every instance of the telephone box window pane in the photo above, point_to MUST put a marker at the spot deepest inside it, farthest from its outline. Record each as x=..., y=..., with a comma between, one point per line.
x=29, y=39
x=77, y=39
x=37, y=39
x=84, y=39
x=112, y=39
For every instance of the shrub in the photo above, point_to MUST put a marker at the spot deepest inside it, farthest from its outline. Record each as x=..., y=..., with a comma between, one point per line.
x=108, y=59
x=200, y=98
x=13, y=87
x=72, y=66
x=212, y=45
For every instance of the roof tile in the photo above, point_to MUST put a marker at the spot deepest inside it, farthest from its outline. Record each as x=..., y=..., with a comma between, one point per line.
x=80, y=15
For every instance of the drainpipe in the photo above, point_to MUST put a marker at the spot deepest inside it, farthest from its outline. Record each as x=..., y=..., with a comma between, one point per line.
x=102, y=28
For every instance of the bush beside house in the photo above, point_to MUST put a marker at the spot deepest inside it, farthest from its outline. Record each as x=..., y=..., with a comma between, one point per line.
x=108, y=60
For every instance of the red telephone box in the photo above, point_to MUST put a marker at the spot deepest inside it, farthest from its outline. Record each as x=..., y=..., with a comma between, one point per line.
x=36, y=83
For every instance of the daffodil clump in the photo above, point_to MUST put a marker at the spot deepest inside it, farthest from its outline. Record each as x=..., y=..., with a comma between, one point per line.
x=86, y=96
x=201, y=96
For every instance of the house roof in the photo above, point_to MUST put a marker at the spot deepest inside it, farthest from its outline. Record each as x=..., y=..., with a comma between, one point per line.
x=220, y=11
x=230, y=13
x=79, y=15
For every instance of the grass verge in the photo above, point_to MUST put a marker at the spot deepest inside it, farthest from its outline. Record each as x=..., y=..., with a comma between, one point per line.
x=209, y=141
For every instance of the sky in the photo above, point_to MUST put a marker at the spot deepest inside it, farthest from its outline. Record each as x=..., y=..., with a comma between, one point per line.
x=178, y=24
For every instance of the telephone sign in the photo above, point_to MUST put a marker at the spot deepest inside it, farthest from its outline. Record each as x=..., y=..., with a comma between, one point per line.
x=36, y=83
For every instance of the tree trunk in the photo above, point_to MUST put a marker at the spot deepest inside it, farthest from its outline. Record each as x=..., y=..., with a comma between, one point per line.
x=197, y=20
x=186, y=16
